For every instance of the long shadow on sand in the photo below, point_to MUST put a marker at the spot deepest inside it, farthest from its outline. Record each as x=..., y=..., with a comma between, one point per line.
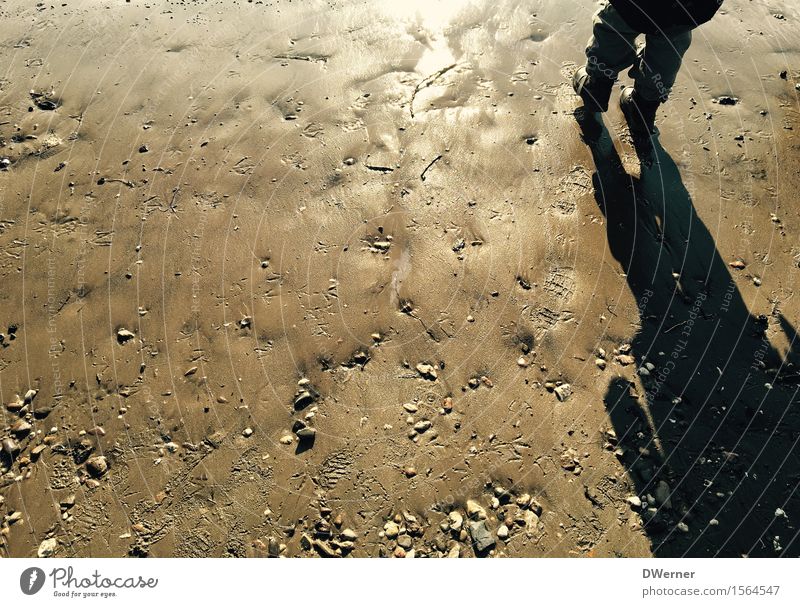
x=712, y=444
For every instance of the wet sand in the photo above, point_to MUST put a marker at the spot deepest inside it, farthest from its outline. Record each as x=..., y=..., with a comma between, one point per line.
x=336, y=279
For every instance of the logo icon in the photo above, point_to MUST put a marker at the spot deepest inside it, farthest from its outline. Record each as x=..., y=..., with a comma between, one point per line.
x=31, y=580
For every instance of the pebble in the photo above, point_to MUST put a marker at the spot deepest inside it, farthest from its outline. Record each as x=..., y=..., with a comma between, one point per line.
x=21, y=427
x=410, y=407
x=522, y=362
x=502, y=532
x=247, y=432
x=563, y=392
x=727, y=100
x=97, y=466
x=601, y=364
x=482, y=538
x=123, y=335
x=427, y=371
x=391, y=530
x=625, y=359
x=422, y=426
x=635, y=501
x=47, y=548
x=10, y=446
x=475, y=511
x=523, y=501
x=286, y=439
x=306, y=432
x=456, y=520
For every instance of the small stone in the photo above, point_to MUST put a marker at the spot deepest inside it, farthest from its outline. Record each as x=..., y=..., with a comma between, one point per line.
x=123, y=335
x=523, y=501
x=349, y=535
x=635, y=501
x=601, y=364
x=97, y=466
x=143, y=149
x=30, y=395
x=456, y=520
x=563, y=392
x=625, y=359
x=16, y=405
x=410, y=407
x=47, y=548
x=247, y=432
x=482, y=538
x=10, y=446
x=286, y=439
x=683, y=527
x=21, y=427
x=422, y=426
x=306, y=432
x=302, y=399
x=475, y=511
x=405, y=541
x=502, y=532
x=410, y=471
x=522, y=362
x=455, y=552
x=447, y=404
x=427, y=371
x=391, y=530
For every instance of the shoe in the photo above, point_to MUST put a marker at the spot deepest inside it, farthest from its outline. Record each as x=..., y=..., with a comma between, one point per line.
x=640, y=115
x=595, y=92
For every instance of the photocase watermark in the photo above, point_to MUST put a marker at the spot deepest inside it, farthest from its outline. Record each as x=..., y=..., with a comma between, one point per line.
x=31, y=580
x=66, y=584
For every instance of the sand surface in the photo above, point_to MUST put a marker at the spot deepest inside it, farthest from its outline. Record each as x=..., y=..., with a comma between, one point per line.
x=349, y=278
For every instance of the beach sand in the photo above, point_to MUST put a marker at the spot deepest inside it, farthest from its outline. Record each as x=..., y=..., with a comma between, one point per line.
x=349, y=278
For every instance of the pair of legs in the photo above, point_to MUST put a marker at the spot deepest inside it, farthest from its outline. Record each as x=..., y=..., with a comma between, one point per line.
x=612, y=49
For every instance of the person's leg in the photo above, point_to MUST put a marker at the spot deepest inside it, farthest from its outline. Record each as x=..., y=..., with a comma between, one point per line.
x=611, y=49
x=657, y=66
x=653, y=74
